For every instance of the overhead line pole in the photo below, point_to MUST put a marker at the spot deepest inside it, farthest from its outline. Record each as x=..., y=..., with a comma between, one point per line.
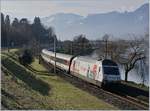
x=71, y=48
x=7, y=38
x=55, y=53
x=106, y=48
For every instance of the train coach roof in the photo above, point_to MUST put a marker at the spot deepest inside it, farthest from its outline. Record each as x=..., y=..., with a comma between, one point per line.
x=60, y=55
x=86, y=59
x=63, y=55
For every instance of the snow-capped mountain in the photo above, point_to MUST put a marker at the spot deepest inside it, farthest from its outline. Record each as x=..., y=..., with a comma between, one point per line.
x=68, y=25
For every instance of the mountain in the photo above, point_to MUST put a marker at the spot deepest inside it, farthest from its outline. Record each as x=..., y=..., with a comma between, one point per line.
x=69, y=25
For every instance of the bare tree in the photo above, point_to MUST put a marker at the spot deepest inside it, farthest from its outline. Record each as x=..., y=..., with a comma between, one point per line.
x=81, y=45
x=144, y=63
x=108, y=48
x=125, y=52
x=105, y=39
x=132, y=54
x=33, y=45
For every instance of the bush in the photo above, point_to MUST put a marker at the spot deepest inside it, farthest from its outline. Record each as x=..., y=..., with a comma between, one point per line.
x=26, y=58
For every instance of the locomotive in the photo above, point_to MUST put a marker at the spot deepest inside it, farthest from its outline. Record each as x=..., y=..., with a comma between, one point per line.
x=97, y=72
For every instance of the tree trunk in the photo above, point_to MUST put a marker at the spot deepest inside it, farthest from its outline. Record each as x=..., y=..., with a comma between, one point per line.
x=39, y=59
x=8, y=49
x=126, y=76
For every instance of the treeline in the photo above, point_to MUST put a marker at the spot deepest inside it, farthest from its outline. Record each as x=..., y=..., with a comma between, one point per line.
x=21, y=32
x=79, y=46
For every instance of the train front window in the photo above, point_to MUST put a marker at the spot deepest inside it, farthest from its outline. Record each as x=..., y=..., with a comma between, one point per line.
x=110, y=70
x=110, y=67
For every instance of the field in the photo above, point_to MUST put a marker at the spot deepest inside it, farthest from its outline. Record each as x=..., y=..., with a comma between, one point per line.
x=35, y=88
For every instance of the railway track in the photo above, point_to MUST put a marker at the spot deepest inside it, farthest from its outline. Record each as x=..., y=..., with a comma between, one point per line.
x=120, y=101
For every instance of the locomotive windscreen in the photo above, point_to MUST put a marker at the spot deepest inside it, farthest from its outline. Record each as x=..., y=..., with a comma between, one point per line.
x=110, y=67
x=109, y=62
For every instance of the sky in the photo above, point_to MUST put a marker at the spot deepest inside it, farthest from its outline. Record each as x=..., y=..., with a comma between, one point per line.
x=42, y=8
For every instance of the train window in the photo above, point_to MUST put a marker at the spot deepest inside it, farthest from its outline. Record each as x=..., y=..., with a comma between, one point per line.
x=45, y=55
x=110, y=70
x=62, y=61
x=109, y=62
x=65, y=62
x=110, y=67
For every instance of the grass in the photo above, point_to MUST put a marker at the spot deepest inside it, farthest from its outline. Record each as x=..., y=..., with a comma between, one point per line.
x=26, y=76
x=10, y=50
x=37, y=66
x=20, y=93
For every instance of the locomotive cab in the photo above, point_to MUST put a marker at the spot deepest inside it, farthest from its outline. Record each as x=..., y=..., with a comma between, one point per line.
x=110, y=72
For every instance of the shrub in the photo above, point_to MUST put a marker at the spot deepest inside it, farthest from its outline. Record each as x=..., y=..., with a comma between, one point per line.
x=26, y=58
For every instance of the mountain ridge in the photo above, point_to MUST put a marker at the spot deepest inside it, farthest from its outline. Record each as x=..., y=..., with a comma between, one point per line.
x=68, y=25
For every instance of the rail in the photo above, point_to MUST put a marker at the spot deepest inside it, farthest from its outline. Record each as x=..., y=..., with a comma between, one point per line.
x=122, y=102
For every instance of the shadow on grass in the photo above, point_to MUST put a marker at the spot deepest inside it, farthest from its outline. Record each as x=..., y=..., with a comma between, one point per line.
x=26, y=76
x=46, y=73
x=12, y=55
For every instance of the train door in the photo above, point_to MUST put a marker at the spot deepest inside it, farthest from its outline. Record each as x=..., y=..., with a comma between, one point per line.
x=99, y=76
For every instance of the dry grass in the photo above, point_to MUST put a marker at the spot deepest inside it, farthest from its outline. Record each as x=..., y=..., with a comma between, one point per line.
x=19, y=93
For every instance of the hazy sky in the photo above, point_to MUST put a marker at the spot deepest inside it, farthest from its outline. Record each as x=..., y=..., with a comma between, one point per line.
x=42, y=8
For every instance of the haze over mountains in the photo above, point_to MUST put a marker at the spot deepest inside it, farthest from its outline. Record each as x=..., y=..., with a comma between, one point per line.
x=94, y=26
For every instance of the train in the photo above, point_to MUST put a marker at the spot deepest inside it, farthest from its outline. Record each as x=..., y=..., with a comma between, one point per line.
x=97, y=72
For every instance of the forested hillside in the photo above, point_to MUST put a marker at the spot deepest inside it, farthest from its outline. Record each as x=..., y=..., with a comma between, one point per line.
x=22, y=32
